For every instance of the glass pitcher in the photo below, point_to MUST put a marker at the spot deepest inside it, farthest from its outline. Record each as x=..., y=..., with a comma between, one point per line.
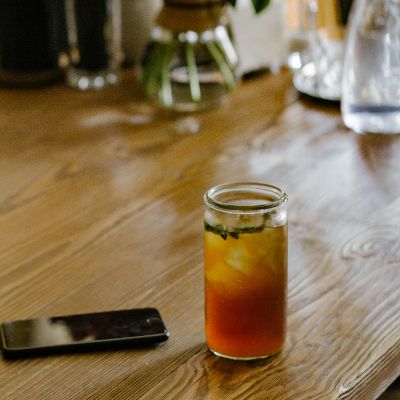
x=371, y=75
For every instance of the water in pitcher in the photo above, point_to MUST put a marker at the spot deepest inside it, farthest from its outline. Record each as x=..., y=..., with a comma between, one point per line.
x=371, y=81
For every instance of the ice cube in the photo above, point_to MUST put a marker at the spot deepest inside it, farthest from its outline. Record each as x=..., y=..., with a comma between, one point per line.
x=237, y=257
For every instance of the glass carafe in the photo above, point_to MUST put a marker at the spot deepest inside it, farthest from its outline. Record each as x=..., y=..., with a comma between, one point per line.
x=190, y=63
x=371, y=76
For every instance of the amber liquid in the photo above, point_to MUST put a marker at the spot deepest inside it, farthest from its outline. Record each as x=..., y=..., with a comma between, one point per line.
x=245, y=292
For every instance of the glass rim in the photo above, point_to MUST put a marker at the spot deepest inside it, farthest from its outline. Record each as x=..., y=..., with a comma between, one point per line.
x=268, y=206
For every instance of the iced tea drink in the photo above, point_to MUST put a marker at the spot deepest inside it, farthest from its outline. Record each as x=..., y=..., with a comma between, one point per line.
x=245, y=267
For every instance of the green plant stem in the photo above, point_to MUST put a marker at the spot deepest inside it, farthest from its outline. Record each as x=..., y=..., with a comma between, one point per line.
x=156, y=79
x=166, y=88
x=194, y=83
x=229, y=78
x=150, y=69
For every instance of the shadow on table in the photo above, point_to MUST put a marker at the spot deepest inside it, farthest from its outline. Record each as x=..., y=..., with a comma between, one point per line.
x=193, y=373
x=380, y=155
x=393, y=392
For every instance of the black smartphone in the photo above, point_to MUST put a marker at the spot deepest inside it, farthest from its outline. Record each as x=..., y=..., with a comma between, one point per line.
x=83, y=332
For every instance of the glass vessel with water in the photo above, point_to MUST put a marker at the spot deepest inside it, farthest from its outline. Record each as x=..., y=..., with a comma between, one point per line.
x=190, y=63
x=371, y=76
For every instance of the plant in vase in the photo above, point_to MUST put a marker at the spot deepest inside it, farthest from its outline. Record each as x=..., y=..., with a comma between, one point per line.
x=190, y=63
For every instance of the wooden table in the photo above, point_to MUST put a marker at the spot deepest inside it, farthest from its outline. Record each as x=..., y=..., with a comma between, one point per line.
x=101, y=208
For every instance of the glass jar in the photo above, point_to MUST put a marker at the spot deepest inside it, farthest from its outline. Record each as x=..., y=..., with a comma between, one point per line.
x=245, y=268
x=190, y=63
x=371, y=75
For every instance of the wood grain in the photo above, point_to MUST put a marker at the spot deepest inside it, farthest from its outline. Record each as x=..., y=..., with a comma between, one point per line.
x=101, y=208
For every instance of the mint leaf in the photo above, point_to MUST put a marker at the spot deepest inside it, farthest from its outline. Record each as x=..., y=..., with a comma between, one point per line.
x=234, y=233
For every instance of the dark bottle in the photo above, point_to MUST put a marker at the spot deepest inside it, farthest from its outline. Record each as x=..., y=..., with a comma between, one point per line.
x=91, y=18
x=29, y=41
x=94, y=43
x=344, y=7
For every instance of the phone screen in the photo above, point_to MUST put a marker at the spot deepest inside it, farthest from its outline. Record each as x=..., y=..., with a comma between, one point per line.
x=113, y=327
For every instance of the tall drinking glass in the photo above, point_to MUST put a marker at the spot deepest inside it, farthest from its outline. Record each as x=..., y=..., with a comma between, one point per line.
x=245, y=266
x=94, y=38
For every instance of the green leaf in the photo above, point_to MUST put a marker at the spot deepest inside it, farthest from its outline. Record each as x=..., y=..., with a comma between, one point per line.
x=260, y=5
x=234, y=233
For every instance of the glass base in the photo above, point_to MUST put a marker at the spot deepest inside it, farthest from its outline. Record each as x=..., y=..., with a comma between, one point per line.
x=373, y=120
x=189, y=71
x=252, y=358
x=86, y=80
x=183, y=106
x=307, y=81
